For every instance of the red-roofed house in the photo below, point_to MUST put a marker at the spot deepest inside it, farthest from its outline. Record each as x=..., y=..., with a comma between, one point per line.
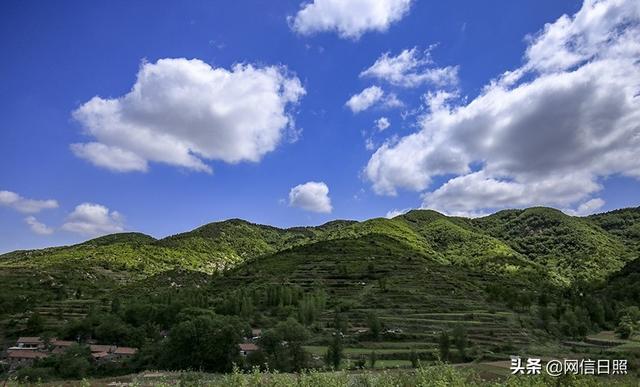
x=247, y=348
x=101, y=348
x=60, y=346
x=124, y=352
x=22, y=357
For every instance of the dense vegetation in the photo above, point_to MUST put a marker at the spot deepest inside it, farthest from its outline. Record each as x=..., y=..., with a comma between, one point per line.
x=416, y=289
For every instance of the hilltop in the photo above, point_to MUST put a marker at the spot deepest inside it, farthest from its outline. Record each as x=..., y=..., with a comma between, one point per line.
x=570, y=248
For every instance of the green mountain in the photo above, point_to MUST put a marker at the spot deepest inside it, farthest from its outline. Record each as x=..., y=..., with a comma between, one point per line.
x=568, y=248
x=516, y=280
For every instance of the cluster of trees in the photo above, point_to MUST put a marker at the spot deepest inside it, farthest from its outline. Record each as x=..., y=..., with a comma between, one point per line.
x=200, y=340
x=629, y=322
x=562, y=312
x=278, y=300
x=281, y=347
x=334, y=354
x=456, y=338
x=201, y=333
x=311, y=306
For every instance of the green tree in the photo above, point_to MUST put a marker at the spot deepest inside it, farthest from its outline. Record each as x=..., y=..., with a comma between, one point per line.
x=35, y=323
x=413, y=357
x=75, y=362
x=373, y=358
x=335, y=350
x=374, y=324
x=205, y=342
x=340, y=322
x=283, y=345
x=460, y=340
x=115, y=306
x=112, y=330
x=625, y=328
x=444, y=345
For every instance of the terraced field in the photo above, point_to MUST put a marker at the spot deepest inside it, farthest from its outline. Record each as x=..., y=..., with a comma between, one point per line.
x=414, y=297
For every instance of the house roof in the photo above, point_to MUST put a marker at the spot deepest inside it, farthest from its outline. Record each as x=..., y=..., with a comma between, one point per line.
x=25, y=354
x=29, y=340
x=125, y=351
x=98, y=355
x=62, y=343
x=248, y=347
x=101, y=348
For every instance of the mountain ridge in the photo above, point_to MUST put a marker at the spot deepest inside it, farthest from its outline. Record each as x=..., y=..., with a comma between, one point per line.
x=571, y=248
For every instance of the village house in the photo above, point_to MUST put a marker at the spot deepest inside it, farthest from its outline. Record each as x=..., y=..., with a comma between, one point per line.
x=59, y=346
x=247, y=348
x=29, y=343
x=124, y=352
x=28, y=349
x=111, y=352
x=95, y=348
x=23, y=357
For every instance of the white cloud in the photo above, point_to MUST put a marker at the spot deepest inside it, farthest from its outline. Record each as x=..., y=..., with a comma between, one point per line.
x=476, y=193
x=369, y=144
x=114, y=158
x=543, y=134
x=38, y=227
x=393, y=213
x=382, y=123
x=411, y=68
x=587, y=208
x=184, y=112
x=312, y=196
x=94, y=220
x=365, y=99
x=371, y=96
x=349, y=18
x=27, y=206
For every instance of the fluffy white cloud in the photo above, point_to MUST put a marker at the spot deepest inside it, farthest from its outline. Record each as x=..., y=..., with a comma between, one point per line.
x=371, y=96
x=93, y=220
x=311, y=196
x=543, y=134
x=27, y=206
x=182, y=112
x=349, y=18
x=587, y=208
x=38, y=227
x=365, y=99
x=114, y=158
x=470, y=194
x=382, y=123
x=411, y=68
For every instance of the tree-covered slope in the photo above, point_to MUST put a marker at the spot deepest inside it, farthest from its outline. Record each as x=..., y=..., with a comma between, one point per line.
x=210, y=248
x=624, y=223
x=570, y=248
x=455, y=241
x=566, y=248
x=362, y=275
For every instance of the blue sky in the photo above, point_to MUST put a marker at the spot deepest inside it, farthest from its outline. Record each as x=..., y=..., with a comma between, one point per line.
x=468, y=143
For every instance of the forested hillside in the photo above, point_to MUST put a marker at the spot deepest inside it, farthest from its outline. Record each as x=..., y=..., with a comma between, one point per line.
x=515, y=281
